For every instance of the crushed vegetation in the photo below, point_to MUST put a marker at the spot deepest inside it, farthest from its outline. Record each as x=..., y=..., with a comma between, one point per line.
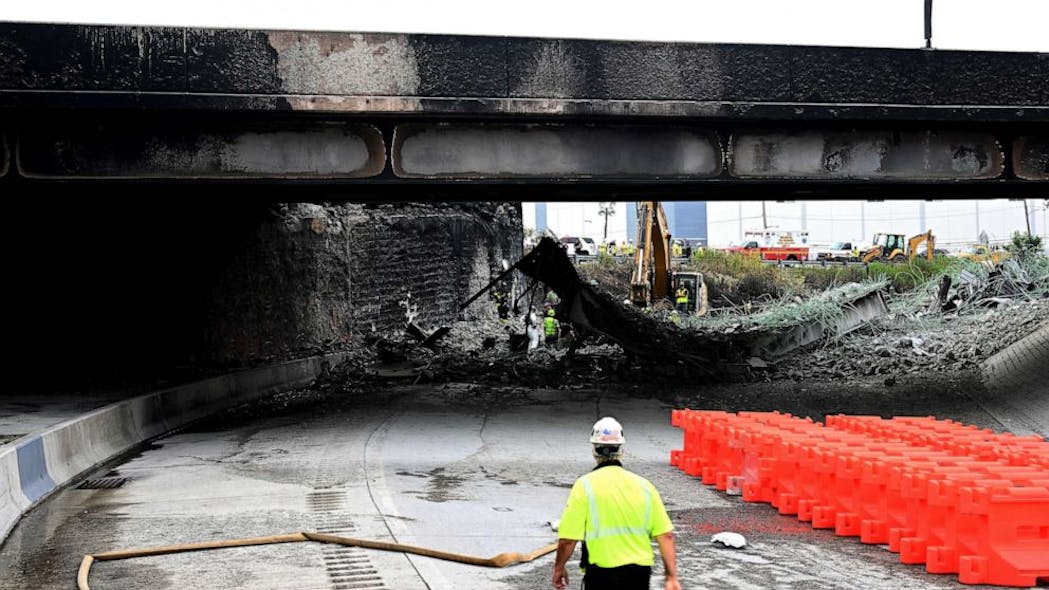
x=825, y=307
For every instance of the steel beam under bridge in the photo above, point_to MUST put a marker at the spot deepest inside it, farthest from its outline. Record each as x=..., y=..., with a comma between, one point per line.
x=422, y=114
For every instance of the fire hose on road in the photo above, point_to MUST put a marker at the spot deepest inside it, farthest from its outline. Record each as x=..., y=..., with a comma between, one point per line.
x=500, y=560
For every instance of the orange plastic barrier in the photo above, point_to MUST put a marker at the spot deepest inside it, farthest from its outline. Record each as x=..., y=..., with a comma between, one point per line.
x=957, y=498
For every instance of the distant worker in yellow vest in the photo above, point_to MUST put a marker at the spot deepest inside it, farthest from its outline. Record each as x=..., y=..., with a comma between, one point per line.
x=676, y=250
x=551, y=328
x=616, y=514
x=681, y=299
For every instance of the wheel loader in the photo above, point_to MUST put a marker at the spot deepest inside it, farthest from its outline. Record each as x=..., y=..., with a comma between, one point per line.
x=890, y=247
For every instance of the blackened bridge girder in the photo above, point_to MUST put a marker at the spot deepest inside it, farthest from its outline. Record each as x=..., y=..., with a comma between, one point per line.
x=393, y=113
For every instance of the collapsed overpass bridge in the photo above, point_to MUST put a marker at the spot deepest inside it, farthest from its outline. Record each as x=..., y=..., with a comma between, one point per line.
x=219, y=197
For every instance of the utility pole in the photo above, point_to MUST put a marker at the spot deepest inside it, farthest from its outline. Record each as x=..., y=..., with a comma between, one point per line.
x=928, y=24
x=764, y=219
x=739, y=217
x=1027, y=217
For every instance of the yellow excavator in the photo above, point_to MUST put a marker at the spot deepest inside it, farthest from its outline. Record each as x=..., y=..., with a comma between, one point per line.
x=652, y=279
x=892, y=248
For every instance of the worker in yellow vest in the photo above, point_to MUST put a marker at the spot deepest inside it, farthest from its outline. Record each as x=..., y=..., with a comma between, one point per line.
x=681, y=299
x=616, y=514
x=551, y=328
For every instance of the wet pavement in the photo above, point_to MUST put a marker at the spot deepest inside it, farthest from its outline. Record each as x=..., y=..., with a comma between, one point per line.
x=461, y=468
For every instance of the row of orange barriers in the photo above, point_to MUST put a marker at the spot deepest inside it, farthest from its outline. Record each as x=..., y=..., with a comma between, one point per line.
x=956, y=498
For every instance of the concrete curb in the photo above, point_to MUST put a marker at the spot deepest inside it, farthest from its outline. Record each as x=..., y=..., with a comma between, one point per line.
x=41, y=463
x=1017, y=388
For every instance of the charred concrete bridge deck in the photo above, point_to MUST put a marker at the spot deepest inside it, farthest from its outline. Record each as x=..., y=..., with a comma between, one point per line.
x=391, y=114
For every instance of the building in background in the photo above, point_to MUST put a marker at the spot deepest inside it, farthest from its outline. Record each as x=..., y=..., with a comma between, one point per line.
x=686, y=219
x=956, y=223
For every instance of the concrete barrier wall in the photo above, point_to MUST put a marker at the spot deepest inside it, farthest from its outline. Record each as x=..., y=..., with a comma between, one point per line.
x=38, y=464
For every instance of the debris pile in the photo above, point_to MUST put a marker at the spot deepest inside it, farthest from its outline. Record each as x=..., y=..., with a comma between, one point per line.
x=857, y=331
x=982, y=286
x=905, y=342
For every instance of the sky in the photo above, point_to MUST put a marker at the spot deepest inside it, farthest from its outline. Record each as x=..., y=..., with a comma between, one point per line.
x=955, y=223
x=1001, y=25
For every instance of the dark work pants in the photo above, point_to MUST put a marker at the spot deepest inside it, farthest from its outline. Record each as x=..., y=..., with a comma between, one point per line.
x=624, y=577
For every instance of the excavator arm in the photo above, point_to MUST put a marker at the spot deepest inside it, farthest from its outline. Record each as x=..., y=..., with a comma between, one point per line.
x=914, y=242
x=650, y=280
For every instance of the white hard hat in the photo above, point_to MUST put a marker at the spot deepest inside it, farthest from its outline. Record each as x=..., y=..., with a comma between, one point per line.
x=730, y=539
x=607, y=431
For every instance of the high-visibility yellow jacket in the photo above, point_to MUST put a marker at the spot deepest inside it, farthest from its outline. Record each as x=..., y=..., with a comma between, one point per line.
x=617, y=513
x=682, y=295
x=550, y=326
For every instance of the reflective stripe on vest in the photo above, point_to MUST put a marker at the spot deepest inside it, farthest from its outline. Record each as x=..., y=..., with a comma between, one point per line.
x=597, y=532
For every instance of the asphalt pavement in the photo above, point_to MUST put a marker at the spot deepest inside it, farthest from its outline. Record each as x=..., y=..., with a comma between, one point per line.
x=460, y=468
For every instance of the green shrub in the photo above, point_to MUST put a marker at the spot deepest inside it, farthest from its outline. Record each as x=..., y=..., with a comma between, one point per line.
x=1024, y=245
x=905, y=276
x=820, y=278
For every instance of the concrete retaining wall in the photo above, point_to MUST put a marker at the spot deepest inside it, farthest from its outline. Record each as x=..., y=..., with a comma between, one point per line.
x=38, y=464
x=1017, y=388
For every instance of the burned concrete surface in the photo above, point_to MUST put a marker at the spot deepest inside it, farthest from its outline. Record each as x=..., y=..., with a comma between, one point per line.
x=129, y=149
x=706, y=78
x=866, y=155
x=147, y=289
x=470, y=111
x=485, y=151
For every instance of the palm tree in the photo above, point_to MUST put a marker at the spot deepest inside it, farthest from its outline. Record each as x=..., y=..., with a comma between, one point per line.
x=606, y=209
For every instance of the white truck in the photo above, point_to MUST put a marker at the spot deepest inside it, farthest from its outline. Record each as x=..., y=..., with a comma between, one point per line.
x=837, y=252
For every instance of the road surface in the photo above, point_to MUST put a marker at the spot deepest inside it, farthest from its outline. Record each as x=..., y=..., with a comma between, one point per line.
x=461, y=468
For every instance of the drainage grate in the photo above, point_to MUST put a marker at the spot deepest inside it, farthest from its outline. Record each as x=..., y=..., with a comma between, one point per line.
x=348, y=568
x=105, y=483
x=327, y=502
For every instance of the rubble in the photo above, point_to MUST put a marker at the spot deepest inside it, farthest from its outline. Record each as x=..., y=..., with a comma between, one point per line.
x=1010, y=282
x=905, y=343
x=616, y=344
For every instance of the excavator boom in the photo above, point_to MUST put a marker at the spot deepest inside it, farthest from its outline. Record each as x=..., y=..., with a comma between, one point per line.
x=650, y=280
x=914, y=242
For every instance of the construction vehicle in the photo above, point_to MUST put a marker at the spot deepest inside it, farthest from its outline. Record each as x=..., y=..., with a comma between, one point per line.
x=774, y=244
x=985, y=253
x=892, y=247
x=652, y=279
x=836, y=252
